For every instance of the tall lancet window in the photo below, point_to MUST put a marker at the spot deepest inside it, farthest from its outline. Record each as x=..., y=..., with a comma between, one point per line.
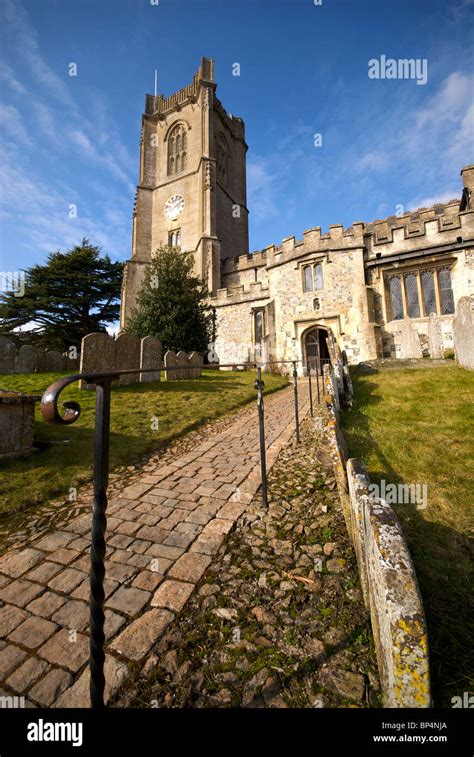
x=177, y=145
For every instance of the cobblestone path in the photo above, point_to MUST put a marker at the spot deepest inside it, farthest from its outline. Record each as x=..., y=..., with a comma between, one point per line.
x=278, y=618
x=165, y=525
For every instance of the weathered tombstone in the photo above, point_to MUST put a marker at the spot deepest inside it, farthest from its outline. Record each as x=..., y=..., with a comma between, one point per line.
x=7, y=355
x=409, y=342
x=127, y=355
x=17, y=421
x=97, y=355
x=182, y=363
x=150, y=357
x=55, y=361
x=27, y=359
x=42, y=361
x=171, y=363
x=435, y=338
x=463, y=333
x=195, y=360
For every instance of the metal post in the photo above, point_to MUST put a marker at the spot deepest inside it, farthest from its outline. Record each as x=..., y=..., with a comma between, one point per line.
x=318, y=368
x=297, y=422
x=310, y=391
x=259, y=386
x=99, y=525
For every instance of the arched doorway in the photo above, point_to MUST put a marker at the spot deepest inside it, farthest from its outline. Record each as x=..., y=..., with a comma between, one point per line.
x=316, y=350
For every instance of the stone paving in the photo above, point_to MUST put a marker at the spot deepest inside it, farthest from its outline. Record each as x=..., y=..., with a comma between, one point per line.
x=164, y=528
x=278, y=618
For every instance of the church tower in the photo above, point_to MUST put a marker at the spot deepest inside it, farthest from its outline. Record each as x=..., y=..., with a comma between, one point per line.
x=192, y=184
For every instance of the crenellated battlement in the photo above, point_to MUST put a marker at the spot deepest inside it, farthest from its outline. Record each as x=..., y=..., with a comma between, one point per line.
x=439, y=224
x=159, y=105
x=337, y=238
x=236, y=294
x=425, y=222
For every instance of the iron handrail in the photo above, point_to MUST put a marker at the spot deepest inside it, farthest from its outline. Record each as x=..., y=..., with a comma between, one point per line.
x=72, y=411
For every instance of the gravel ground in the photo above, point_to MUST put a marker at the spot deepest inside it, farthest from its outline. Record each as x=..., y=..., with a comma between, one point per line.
x=278, y=619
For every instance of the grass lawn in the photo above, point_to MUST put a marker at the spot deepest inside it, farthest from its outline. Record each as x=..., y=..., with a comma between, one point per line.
x=179, y=406
x=416, y=426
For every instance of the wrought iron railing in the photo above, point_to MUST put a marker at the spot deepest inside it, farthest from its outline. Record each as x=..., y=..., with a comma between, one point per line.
x=71, y=413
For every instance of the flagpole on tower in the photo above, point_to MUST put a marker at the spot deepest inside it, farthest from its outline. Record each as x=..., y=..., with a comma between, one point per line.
x=156, y=82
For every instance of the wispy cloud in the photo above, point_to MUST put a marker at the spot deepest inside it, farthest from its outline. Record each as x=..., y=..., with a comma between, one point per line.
x=11, y=122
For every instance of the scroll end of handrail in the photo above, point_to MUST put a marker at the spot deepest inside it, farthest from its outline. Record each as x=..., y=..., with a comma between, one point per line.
x=49, y=404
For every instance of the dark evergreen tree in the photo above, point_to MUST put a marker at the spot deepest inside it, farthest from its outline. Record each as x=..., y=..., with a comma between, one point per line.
x=171, y=304
x=73, y=294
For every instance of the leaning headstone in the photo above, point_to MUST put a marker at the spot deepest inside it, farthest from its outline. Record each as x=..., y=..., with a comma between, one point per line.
x=409, y=341
x=195, y=360
x=182, y=363
x=7, y=355
x=150, y=357
x=463, y=332
x=42, y=361
x=127, y=355
x=55, y=361
x=97, y=355
x=171, y=364
x=27, y=359
x=435, y=338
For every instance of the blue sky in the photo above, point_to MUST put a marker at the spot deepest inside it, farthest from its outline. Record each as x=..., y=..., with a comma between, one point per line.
x=304, y=70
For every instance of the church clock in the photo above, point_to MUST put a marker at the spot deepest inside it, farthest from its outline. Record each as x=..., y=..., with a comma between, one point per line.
x=174, y=206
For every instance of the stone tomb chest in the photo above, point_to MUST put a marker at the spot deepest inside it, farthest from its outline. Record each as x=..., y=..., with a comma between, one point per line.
x=17, y=417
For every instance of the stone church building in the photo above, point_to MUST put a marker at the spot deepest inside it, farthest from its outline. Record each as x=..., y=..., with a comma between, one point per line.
x=387, y=288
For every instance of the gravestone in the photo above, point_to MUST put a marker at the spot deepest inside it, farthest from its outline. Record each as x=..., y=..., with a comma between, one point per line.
x=171, y=363
x=127, y=355
x=463, y=333
x=408, y=341
x=195, y=360
x=182, y=362
x=150, y=357
x=97, y=355
x=7, y=355
x=27, y=359
x=435, y=338
x=42, y=361
x=54, y=361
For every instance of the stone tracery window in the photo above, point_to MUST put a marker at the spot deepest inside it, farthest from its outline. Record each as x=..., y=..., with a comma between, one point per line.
x=416, y=294
x=177, y=146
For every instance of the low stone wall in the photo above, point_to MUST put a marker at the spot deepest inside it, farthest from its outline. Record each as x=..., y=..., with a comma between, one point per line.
x=386, y=571
x=391, y=593
x=28, y=359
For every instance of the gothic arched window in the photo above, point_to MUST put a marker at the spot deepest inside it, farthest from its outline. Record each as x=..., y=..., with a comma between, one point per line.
x=177, y=144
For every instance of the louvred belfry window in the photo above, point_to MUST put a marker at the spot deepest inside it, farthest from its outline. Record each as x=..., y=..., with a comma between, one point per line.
x=177, y=146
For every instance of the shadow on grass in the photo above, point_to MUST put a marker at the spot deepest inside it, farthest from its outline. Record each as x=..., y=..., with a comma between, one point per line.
x=442, y=556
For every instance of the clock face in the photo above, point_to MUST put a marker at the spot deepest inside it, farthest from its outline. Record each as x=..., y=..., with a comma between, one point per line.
x=174, y=206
